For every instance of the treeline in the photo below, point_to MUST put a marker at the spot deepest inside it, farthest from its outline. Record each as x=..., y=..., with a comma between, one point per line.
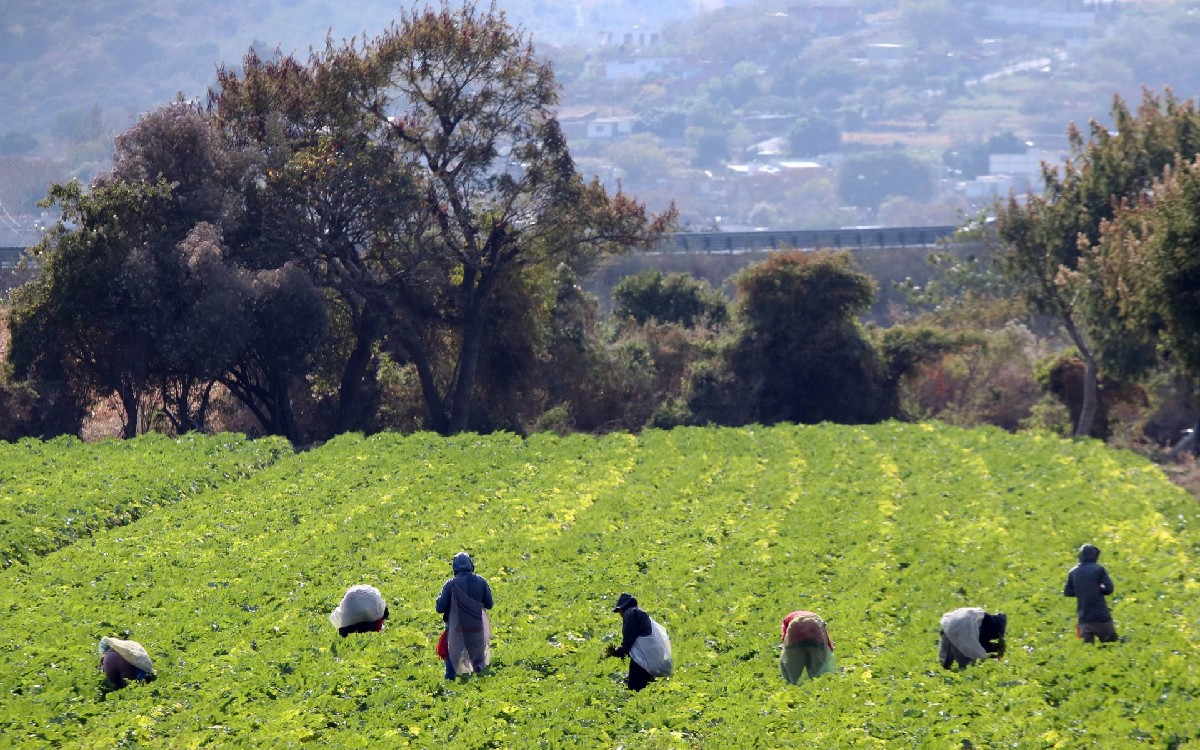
x=393, y=235
x=395, y=214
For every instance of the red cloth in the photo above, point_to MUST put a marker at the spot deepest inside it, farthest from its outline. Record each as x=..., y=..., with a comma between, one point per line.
x=443, y=649
x=811, y=629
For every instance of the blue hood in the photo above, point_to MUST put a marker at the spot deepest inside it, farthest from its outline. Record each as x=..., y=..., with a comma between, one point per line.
x=1089, y=553
x=462, y=563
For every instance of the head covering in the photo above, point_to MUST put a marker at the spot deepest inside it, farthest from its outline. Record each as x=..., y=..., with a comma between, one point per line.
x=361, y=603
x=624, y=602
x=131, y=651
x=1089, y=553
x=462, y=563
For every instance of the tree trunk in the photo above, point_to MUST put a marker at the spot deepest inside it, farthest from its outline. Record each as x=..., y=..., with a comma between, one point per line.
x=129, y=401
x=283, y=418
x=468, y=357
x=354, y=394
x=239, y=383
x=435, y=406
x=1087, y=410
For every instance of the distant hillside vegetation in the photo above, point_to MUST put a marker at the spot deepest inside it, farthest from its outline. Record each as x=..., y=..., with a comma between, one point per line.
x=61, y=58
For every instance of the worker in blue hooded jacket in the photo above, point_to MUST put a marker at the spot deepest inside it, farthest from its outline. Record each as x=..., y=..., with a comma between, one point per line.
x=463, y=604
x=1089, y=583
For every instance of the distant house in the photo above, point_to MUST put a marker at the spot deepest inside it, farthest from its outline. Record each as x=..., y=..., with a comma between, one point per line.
x=635, y=38
x=1020, y=173
x=986, y=187
x=603, y=128
x=1026, y=169
x=574, y=121
x=776, y=146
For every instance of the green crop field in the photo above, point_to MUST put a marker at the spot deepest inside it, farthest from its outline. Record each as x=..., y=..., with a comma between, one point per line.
x=718, y=532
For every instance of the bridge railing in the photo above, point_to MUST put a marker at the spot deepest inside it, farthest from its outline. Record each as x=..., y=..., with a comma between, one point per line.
x=860, y=238
x=851, y=238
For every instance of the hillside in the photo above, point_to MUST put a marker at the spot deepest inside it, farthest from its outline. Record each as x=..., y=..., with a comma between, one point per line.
x=60, y=58
x=718, y=533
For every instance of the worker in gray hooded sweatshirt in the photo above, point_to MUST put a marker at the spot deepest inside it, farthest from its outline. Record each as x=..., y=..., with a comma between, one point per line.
x=463, y=604
x=1089, y=583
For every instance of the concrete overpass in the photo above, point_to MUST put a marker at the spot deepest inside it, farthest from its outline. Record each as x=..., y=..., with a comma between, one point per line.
x=848, y=238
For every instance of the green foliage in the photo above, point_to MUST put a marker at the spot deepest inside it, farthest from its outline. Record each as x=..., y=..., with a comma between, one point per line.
x=415, y=175
x=797, y=352
x=987, y=378
x=640, y=158
x=814, y=135
x=870, y=179
x=907, y=348
x=1044, y=238
x=139, y=295
x=711, y=149
x=1145, y=271
x=668, y=298
x=719, y=533
x=53, y=494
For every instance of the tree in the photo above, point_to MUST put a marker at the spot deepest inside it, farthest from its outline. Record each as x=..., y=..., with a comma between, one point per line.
x=712, y=148
x=668, y=298
x=870, y=179
x=413, y=175
x=814, y=135
x=1042, y=238
x=1146, y=267
x=79, y=320
x=968, y=161
x=473, y=111
x=797, y=353
x=139, y=296
x=640, y=158
x=324, y=191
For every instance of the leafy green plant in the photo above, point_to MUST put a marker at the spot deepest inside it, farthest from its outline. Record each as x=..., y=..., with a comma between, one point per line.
x=55, y=493
x=718, y=532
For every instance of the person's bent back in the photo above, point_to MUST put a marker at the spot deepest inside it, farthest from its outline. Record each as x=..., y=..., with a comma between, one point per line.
x=807, y=647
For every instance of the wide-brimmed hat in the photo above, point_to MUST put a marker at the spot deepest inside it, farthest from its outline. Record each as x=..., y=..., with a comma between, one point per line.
x=624, y=602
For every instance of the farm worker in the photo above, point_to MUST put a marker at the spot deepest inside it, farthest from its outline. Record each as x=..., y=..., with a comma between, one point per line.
x=463, y=604
x=1089, y=583
x=122, y=660
x=362, y=610
x=644, y=641
x=806, y=646
x=970, y=634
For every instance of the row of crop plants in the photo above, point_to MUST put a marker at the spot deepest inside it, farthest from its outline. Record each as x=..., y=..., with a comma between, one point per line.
x=718, y=532
x=56, y=492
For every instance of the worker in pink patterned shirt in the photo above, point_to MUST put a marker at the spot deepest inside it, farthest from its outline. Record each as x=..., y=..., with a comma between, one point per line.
x=806, y=647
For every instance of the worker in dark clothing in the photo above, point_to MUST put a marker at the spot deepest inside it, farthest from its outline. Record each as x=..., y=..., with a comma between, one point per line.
x=463, y=604
x=122, y=661
x=969, y=634
x=647, y=657
x=1089, y=583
